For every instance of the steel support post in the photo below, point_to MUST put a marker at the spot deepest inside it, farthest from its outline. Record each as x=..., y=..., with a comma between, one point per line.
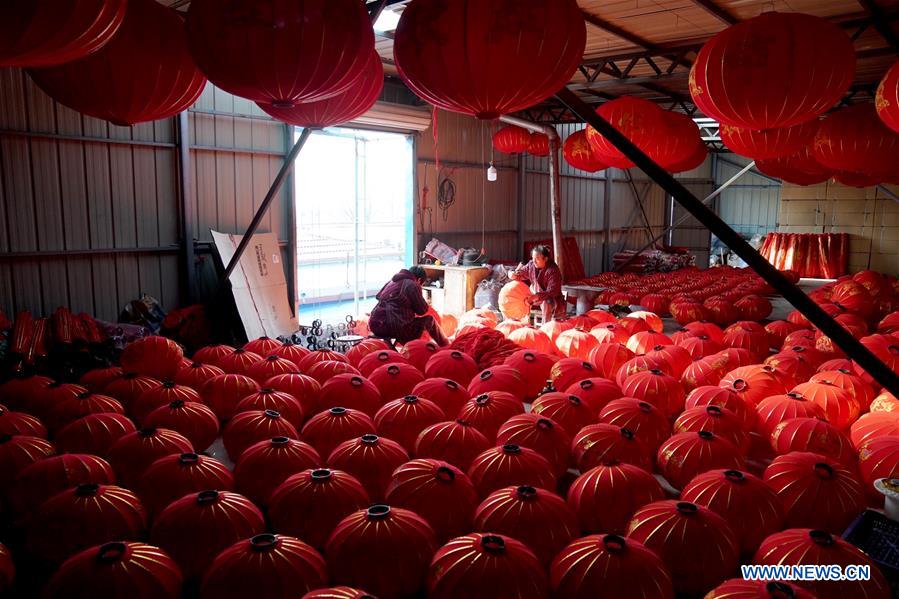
x=812, y=311
x=186, y=220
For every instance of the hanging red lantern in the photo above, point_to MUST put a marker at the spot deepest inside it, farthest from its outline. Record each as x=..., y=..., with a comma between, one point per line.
x=770, y=143
x=193, y=420
x=153, y=356
x=93, y=434
x=438, y=492
x=816, y=491
x=497, y=378
x=854, y=139
x=512, y=140
x=537, y=517
x=597, y=444
x=404, y=419
x=449, y=395
x=129, y=387
x=371, y=459
x=222, y=393
x=174, y=476
x=749, y=506
x=267, y=564
x=486, y=565
x=20, y=423
x=269, y=399
x=350, y=391
x=456, y=442
x=498, y=66
x=604, y=566
x=487, y=412
x=762, y=93
x=579, y=154
x=814, y=435
x=159, y=396
x=637, y=119
x=97, y=379
x=268, y=367
x=234, y=45
x=801, y=168
x=211, y=354
x=874, y=425
x=508, y=465
x=263, y=466
x=605, y=498
x=310, y=504
x=569, y=411
x=686, y=455
x=328, y=429
x=302, y=388
x=134, y=452
x=247, y=428
x=681, y=145
x=397, y=545
x=802, y=546
x=199, y=526
x=887, y=99
x=123, y=568
x=648, y=424
x=540, y=434
x=84, y=516
x=740, y=588
x=196, y=375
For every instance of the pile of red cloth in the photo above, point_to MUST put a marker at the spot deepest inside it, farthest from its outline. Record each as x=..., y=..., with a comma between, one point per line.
x=487, y=346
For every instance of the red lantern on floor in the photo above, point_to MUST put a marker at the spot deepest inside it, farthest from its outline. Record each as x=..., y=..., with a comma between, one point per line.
x=211, y=354
x=537, y=54
x=45, y=398
x=717, y=420
x=569, y=371
x=509, y=465
x=222, y=393
x=117, y=568
x=196, y=375
x=579, y=154
x=657, y=388
x=302, y=388
x=447, y=394
x=199, y=526
x=686, y=312
x=18, y=452
x=438, y=492
x=861, y=391
x=247, y=428
x=762, y=94
x=703, y=372
x=193, y=420
x=268, y=367
x=608, y=358
x=814, y=435
x=874, y=425
x=264, y=346
x=605, y=498
x=879, y=458
x=594, y=393
x=597, y=444
x=24, y=393
x=310, y=504
x=803, y=546
x=94, y=434
x=134, y=452
x=267, y=564
x=238, y=362
x=639, y=120
x=291, y=351
x=512, y=140
x=739, y=588
x=153, y=356
x=396, y=380
x=778, y=331
x=534, y=339
x=326, y=430
x=489, y=411
x=375, y=360
x=97, y=379
x=486, y=565
x=325, y=370
x=419, y=351
x=404, y=419
x=769, y=143
x=648, y=424
x=752, y=383
x=497, y=378
x=371, y=459
x=129, y=387
x=350, y=391
x=361, y=350
x=747, y=335
x=854, y=139
x=604, y=566
x=686, y=455
x=540, y=434
x=708, y=395
x=86, y=515
x=746, y=502
x=397, y=546
x=337, y=593
x=779, y=408
x=20, y=423
x=452, y=364
x=720, y=310
x=174, y=476
x=816, y=491
x=266, y=464
x=695, y=543
x=840, y=408
x=159, y=396
x=568, y=411
x=456, y=442
x=270, y=399
x=539, y=518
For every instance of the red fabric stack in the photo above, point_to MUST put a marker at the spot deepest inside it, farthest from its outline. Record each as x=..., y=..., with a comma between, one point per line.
x=487, y=346
x=813, y=255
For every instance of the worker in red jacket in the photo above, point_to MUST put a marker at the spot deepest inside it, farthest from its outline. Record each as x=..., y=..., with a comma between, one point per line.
x=401, y=313
x=542, y=274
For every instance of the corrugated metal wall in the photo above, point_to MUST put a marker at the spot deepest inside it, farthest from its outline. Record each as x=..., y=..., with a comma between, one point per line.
x=751, y=205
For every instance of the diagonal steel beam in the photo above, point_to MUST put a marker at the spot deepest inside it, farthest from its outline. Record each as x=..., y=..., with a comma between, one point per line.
x=717, y=11
x=812, y=311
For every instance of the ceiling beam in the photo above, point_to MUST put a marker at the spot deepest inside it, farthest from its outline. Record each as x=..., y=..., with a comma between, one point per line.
x=627, y=36
x=880, y=23
x=716, y=11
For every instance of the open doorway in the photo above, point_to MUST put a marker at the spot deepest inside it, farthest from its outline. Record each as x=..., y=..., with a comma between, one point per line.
x=354, y=203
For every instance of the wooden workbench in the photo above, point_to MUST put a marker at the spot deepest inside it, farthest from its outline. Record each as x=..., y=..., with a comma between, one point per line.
x=456, y=296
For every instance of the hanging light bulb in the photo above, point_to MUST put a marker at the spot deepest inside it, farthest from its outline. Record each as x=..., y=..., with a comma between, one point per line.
x=491, y=173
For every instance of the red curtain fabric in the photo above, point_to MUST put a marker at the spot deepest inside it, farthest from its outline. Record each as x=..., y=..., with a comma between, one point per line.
x=812, y=255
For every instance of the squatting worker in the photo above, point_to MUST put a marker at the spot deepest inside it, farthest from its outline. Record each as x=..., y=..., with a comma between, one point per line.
x=542, y=274
x=401, y=312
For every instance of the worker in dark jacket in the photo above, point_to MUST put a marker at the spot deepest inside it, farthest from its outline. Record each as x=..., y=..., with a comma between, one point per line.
x=401, y=312
x=543, y=276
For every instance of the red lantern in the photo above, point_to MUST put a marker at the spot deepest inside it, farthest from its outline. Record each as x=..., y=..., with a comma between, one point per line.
x=326, y=430
x=802, y=546
x=24, y=393
x=605, y=566
x=686, y=455
x=670, y=358
x=159, y=396
x=539, y=145
x=94, y=434
x=199, y=526
x=375, y=360
x=537, y=54
x=655, y=303
x=678, y=147
x=509, y=465
x=447, y=394
x=339, y=593
x=854, y=139
x=302, y=388
x=749, y=506
x=818, y=59
x=222, y=393
x=608, y=358
x=134, y=452
x=840, y=408
x=720, y=310
x=657, y=388
x=568, y=411
x=753, y=307
x=129, y=387
x=266, y=464
x=350, y=391
x=269, y=399
x=452, y=364
x=887, y=99
x=325, y=370
x=715, y=419
x=814, y=435
x=512, y=140
x=605, y=498
x=396, y=380
x=579, y=154
x=456, y=442
x=752, y=383
x=360, y=351
x=498, y=378
x=791, y=368
x=537, y=517
x=768, y=144
x=234, y=45
x=639, y=120
x=174, y=476
x=404, y=419
x=649, y=424
x=696, y=544
x=437, y=491
x=191, y=419
x=266, y=368
x=739, y=588
x=97, y=379
x=196, y=375
x=371, y=459
x=878, y=458
x=594, y=393
x=19, y=451
x=686, y=312
x=597, y=444
x=267, y=564
x=320, y=355
x=778, y=408
x=310, y=504
x=486, y=565
x=247, y=428
x=801, y=168
x=45, y=398
x=885, y=402
x=534, y=339
x=861, y=391
x=20, y=423
x=120, y=568
x=419, y=351
x=885, y=347
x=569, y=371
x=874, y=425
x=816, y=491
x=264, y=346
x=489, y=411
x=778, y=331
x=86, y=515
x=397, y=546
x=238, y=362
x=211, y=354
x=708, y=395
x=747, y=335
x=540, y=434
x=154, y=356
